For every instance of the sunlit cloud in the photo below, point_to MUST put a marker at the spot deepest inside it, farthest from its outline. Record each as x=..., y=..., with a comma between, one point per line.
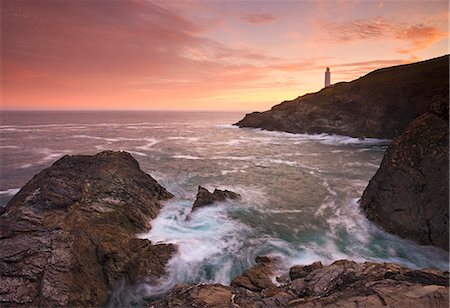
x=417, y=36
x=146, y=55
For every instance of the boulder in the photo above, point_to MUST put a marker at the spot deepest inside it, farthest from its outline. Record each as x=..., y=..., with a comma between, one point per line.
x=204, y=197
x=409, y=194
x=68, y=236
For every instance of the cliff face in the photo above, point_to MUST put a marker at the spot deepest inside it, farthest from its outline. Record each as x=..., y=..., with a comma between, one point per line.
x=68, y=236
x=380, y=104
x=409, y=194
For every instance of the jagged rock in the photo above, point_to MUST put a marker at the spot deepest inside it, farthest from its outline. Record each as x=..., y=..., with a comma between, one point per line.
x=409, y=194
x=68, y=235
x=197, y=296
x=300, y=271
x=258, y=277
x=341, y=284
x=380, y=105
x=204, y=197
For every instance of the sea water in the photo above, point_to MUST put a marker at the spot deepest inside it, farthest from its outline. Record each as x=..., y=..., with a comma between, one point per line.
x=299, y=192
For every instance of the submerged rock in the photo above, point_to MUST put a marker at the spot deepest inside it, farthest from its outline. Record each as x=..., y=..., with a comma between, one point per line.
x=204, y=197
x=380, y=104
x=68, y=235
x=341, y=284
x=409, y=194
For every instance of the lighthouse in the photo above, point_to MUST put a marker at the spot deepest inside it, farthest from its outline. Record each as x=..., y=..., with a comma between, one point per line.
x=327, y=77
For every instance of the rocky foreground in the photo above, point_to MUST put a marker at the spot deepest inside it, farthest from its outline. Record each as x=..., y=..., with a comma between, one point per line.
x=68, y=236
x=380, y=105
x=341, y=284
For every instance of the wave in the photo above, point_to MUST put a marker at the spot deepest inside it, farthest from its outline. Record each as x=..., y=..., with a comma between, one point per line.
x=10, y=192
x=328, y=139
x=9, y=147
x=187, y=157
x=207, y=242
x=351, y=234
x=150, y=143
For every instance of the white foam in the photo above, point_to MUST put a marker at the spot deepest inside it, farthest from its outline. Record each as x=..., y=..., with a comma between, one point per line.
x=209, y=238
x=11, y=191
x=187, y=157
x=328, y=139
x=228, y=126
x=244, y=158
x=150, y=143
x=136, y=153
x=8, y=147
x=187, y=139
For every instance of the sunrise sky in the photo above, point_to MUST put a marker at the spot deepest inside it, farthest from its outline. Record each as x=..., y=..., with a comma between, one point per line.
x=212, y=55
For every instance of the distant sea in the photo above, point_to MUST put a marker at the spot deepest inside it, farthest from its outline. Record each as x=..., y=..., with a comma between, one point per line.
x=300, y=192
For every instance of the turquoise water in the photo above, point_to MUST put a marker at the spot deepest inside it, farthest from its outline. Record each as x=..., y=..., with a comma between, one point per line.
x=299, y=192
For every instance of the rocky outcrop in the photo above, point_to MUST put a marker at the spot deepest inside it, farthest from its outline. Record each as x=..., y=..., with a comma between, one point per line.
x=341, y=284
x=68, y=236
x=204, y=197
x=258, y=277
x=380, y=105
x=408, y=195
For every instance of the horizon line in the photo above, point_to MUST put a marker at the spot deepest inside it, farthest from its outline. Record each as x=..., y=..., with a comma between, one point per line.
x=118, y=110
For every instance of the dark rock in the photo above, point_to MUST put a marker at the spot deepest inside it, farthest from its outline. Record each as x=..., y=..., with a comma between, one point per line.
x=341, y=284
x=380, y=104
x=258, y=277
x=68, y=235
x=197, y=296
x=300, y=271
x=408, y=195
x=204, y=197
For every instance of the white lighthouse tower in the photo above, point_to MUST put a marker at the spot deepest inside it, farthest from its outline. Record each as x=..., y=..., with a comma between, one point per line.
x=327, y=77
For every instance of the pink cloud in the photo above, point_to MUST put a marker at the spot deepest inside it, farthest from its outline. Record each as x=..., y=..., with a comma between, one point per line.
x=262, y=18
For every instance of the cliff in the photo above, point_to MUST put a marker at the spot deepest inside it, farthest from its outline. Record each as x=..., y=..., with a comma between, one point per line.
x=68, y=236
x=409, y=194
x=380, y=105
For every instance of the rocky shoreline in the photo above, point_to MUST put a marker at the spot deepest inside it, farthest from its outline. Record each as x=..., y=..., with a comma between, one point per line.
x=342, y=284
x=69, y=239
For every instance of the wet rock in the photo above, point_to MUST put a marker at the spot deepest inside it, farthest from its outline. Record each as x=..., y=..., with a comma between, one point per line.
x=380, y=104
x=197, y=296
x=341, y=284
x=258, y=277
x=409, y=194
x=68, y=235
x=204, y=197
x=300, y=271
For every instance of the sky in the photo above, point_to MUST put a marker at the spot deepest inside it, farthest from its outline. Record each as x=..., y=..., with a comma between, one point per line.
x=202, y=55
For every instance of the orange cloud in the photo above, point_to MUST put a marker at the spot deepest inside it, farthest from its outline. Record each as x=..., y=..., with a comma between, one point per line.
x=417, y=36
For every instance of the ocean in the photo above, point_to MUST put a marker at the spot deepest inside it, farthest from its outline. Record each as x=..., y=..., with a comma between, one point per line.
x=299, y=192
